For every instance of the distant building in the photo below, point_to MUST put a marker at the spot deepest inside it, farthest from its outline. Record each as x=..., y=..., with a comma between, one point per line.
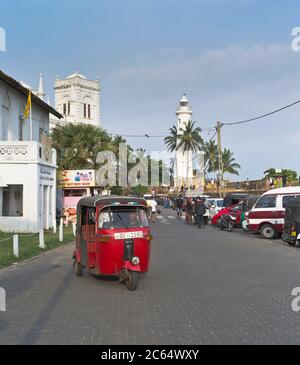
x=40, y=91
x=184, y=159
x=27, y=167
x=189, y=167
x=77, y=99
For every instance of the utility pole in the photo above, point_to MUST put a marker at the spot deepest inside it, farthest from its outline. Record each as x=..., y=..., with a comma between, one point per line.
x=220, y=159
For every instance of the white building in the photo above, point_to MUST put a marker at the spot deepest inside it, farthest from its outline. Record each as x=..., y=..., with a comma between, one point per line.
x=185, y=161
x=40, y=91
x=27, y=168
x=77, y=99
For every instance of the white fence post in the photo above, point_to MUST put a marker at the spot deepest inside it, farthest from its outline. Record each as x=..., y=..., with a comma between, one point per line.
x=2, y=300
x=41, y=239
x=61, y=230
x=74, y=229
x=16, y=245
x=67, y=220
x=54, y=226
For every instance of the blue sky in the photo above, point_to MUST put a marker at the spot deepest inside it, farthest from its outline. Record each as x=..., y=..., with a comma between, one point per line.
x=232, y=58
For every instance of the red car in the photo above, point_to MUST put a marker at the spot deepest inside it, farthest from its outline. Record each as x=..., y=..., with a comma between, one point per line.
x=237, y=209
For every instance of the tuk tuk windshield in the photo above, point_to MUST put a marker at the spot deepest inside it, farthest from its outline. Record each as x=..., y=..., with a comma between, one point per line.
x=122, y=217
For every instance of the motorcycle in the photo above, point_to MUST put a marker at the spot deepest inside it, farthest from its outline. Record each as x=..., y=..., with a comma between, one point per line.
x=227, y=221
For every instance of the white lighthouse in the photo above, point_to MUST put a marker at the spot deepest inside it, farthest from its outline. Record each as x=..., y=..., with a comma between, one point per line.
x=184, y=159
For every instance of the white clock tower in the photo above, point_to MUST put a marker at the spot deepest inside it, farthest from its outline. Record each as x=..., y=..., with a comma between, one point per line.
x=78, y=99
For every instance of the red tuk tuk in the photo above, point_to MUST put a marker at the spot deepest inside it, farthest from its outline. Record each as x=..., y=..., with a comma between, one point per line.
x=113, y=237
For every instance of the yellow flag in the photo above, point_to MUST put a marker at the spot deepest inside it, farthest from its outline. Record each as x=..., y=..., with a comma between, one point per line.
x=28, y=106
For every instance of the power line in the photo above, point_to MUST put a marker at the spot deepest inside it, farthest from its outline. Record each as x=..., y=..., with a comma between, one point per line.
x=154, y=135
x=264, y=115
x=212, y=128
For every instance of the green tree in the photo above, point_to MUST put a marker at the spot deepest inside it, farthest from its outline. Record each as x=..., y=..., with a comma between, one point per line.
x=229, y=164
x=289, y=175
x=171, y=140
x=211, y=156
x=77, y=145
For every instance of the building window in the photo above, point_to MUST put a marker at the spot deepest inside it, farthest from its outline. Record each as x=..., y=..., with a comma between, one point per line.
x=89, y=111
x=21, y=129
x=12, y=201
x=64, y=109
x=84, y=110
x=69, y=108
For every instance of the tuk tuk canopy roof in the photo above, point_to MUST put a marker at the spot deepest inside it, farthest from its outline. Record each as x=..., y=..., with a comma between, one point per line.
x=93, y=201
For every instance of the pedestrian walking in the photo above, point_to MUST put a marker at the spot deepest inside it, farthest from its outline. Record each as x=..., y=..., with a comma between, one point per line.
x=189, y=211
x=178, y=206
x=152, y=206
x=200, y=211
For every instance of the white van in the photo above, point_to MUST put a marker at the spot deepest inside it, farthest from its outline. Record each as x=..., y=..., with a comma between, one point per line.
x=267, y=215
x=214, y=206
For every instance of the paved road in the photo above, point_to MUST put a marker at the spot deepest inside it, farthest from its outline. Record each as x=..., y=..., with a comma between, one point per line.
x=204, y=287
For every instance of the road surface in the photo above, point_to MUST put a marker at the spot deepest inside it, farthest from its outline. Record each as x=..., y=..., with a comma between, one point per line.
x=204, y=287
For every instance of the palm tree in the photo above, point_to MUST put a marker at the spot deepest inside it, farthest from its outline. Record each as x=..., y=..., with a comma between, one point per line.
x=190, y=140
x=171, y=140
x=211, y=156
x=171, y=143
x=229, y=164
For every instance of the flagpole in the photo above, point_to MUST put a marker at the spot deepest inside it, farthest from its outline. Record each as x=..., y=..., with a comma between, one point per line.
x=30, y=122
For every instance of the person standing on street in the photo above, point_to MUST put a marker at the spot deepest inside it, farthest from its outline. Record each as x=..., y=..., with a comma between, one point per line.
x=189, y=211
x=179, y=203
x=200, y=211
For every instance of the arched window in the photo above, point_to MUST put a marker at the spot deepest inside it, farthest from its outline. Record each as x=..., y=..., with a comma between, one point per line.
x=66, y=107
x=87, y=107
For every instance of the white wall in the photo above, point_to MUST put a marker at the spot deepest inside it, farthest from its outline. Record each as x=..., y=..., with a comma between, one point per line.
x=22, y=164
x=32, y=179
x=184, y=163
x=77, y=91
x=16, y=103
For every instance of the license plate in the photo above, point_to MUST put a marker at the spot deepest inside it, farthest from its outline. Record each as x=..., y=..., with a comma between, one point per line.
x=126, y=235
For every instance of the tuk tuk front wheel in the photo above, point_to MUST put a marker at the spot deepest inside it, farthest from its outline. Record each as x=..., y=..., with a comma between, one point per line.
x=78, y=268
x=132, y=280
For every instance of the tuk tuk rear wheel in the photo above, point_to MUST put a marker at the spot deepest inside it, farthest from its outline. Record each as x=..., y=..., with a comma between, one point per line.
x=78, y=268
x=132, y=280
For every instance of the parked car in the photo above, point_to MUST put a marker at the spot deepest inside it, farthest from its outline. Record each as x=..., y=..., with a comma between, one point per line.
x=267, y=215
x=216, y=218
x=236, y=215
x=214, y=206
x=243, y=207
